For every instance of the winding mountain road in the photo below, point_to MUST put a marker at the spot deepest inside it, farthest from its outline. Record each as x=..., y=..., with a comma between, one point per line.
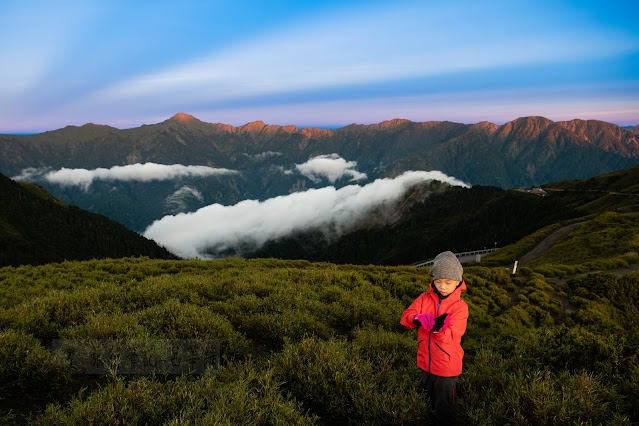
x=552, y=239
x=548, y=242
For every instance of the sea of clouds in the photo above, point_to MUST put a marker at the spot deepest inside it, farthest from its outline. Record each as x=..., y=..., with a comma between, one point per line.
x=216, y=230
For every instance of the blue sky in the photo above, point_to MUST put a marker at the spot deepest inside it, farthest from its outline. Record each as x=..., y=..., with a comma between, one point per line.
x=315, y=63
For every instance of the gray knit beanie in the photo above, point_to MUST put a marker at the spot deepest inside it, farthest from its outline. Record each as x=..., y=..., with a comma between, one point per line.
x=446, y=266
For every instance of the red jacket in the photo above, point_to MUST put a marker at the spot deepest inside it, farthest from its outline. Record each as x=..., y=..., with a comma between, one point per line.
x=440, y=353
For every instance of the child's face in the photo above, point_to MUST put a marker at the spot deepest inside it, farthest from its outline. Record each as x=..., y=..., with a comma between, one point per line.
x=445, y=286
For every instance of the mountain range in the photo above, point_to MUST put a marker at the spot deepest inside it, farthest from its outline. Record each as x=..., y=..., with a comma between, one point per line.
x=263, y=159
x=526, y=149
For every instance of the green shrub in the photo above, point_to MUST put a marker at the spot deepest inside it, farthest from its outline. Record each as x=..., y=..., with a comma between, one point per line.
x=106, y=326
x=341, y=382
x=568, y=348
x=542, y=398
x=26, y=368
x=237, y=394
x=176, y=320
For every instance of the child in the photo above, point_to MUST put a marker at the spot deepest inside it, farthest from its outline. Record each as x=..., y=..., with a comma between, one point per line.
x=441, y=316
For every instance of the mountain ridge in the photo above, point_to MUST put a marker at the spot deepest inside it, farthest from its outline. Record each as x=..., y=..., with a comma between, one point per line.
x=524, y=126
x=528, y=151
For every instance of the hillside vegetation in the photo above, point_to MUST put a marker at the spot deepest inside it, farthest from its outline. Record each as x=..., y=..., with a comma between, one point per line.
x=313, y=343
x=623, y=181
x=605, y=237
x=35, y=228
x=606, y=227
x=618, y=190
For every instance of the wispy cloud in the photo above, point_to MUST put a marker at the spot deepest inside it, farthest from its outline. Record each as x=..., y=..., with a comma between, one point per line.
x=216, y=230
x=33, y=56
x=30, y=174
x=331, y=167
x=146, y=172
x=264, y=155
x=178, y=201
x=345, y=50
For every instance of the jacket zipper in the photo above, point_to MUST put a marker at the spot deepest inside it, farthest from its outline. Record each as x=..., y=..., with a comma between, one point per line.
x=429, y=334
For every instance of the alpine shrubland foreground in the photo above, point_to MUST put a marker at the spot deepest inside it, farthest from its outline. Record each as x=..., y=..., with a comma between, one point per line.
x=314, y=343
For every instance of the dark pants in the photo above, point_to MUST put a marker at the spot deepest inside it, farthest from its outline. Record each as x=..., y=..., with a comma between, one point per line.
x=442, y=397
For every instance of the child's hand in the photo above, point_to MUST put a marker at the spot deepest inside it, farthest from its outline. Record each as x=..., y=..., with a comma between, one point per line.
x=425, y=320
x=441, y=323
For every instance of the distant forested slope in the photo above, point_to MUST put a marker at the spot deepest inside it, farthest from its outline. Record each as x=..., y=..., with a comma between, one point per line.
x=36, y=228
x=458, y=219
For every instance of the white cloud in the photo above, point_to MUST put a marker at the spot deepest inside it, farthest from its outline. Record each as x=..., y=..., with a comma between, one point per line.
x=267, y=154
x=134, y=172
x=264, y=155
x=177, y=202
x=331, y=167
x=30, y=174
x=216, y=230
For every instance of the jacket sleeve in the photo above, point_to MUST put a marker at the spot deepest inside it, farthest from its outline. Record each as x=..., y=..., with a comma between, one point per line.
x=456, y=327
x=409, y=314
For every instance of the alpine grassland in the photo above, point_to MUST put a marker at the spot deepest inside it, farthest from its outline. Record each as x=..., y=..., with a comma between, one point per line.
x=312, y=343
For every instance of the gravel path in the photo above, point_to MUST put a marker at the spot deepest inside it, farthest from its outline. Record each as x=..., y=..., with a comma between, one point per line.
x=552, y=239
x=620, y=273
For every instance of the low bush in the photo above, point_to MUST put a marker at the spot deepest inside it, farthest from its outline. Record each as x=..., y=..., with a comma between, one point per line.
x=27, y=369
x=236, y=394
x=342, y=382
